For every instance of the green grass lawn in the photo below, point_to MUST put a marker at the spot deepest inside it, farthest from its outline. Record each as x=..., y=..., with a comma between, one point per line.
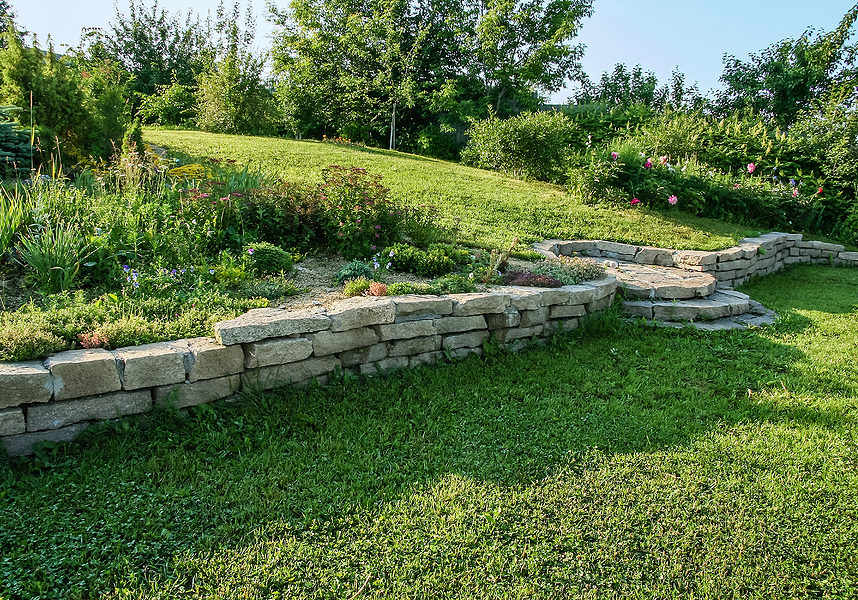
x=623, y=462
x=493, y=208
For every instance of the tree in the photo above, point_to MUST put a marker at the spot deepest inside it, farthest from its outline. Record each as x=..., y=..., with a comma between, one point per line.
x=791, y=74
x=153, y=45
x=626, y=87
x=353, y=67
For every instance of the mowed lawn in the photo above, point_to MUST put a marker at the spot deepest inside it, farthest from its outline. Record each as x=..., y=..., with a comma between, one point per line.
x=622, y=462
x=492, y=208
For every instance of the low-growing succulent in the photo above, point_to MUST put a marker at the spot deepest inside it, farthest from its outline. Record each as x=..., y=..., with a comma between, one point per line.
x=406, y=287
x=353, y=270
x=570, y=270
x=528, y=278
x=376, y=288
x=356, y=287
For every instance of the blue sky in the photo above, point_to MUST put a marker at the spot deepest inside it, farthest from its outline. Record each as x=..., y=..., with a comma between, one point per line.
x=657, y=34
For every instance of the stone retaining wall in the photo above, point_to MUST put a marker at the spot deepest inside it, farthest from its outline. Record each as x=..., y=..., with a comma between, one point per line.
x=56, y=399
x=731, y=267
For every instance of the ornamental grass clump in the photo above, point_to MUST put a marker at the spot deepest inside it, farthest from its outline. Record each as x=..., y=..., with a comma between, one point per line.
x=569, y=270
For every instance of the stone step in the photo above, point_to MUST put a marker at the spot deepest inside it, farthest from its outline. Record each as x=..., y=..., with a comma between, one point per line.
x=648, y=282
x=723, y=310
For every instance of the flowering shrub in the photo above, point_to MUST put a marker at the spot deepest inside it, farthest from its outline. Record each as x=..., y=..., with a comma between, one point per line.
x=360, y=215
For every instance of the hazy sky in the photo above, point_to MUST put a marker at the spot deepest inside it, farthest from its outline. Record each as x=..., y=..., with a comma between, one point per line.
x=657, y=34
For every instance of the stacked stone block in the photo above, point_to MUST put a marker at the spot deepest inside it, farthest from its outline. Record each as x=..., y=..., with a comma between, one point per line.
x=266, y=348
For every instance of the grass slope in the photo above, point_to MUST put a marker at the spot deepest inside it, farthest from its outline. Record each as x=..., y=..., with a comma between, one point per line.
x=493, y=208
x=625, y=462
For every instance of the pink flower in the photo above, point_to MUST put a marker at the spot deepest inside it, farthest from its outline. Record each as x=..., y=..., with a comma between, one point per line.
x=751, y=167
x=648, y=164
x=662, y=159
x=250, y=251
x=614, y=156
x=794, y=193
x=635, y=201
x=673, y=200
x=378, y=227
x=819, y=191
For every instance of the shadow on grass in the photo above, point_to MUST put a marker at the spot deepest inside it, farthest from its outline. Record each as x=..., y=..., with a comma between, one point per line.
x=128, y=500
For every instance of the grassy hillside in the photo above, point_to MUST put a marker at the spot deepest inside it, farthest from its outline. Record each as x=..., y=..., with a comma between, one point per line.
x=493, y=208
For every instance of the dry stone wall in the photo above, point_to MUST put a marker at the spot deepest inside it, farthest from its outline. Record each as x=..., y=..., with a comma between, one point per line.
x=56, y=399
x=731, y=267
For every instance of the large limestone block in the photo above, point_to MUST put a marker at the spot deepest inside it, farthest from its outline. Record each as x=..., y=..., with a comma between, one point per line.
x=387, y=364
x=456, y=324
x=184, y=395
x=24, y=444
x=580, y=294
x=268, y=378
x=616, y=250
x=354, y=313
x=696, y=258
x=24, y=383
x=648, y=255
x=472, y=339
x=327, y=342
x=515, y=333
x=538, y=316
x=79, y=373
x=415, y=346
x=478, y=303
x=98, y=408
x=406, y=329
x=360, y=356
x=150, y=365
x=262, y=323
x=277, y=351
x=521, y=297
x=208, y=359
x=552, y=296
x=12, y=421
x=607, y=286
x=407, y=306
x=509, y=318
x=564, y=311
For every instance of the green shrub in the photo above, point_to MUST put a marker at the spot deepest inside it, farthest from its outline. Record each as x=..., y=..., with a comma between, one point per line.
x=570, y=270
x=356, y=287
x=426, y=263
x=268, y=259
x=353, y=270
x=15, y=148
x=453, y=284
x=54, y=256
x=402, y=288
x=132, y=140
x=28, y=341
x=288, y=214
x=529, y=146
x=173, y=105
x=232, y=99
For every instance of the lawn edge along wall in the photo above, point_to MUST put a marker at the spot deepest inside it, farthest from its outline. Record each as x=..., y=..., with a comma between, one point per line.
x=56, y=399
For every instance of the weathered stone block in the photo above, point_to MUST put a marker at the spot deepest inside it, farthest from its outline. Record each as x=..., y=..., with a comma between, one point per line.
x=674, y=311
x=407, y=306
x=327, y=342
x=415, y=346
x=24, y=444
x=509, y=318
x=538, y=316
x=353, y=313
x=387, y=364
x=184, y=395
x=427, y=358
x=515, y=333
x=12, y=421
x=638, y=308
x=570, y=247
x=478, y=304
x=694, y=257
x=261, y=323
x=78, y=373
x=607, y=286
x=567, y=310
x=98, y=408
x=522, y=298
x=456, y=324
x=851, y=256
x=600, y=304
x=406, y=329
x=207, y=359
x=735, y=265
x=614, y=249
x=582, y=293
x=361, y=356
x=460, y=353
x=552, y=296
x=267, y=378
x=24, y=383
x=277, y=351
x=730, y=254
x=150, y=365
x=471, y=339
x=560, y=325
x=654, y=256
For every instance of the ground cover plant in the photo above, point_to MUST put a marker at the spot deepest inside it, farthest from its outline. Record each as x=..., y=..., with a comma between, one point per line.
x=625, y=461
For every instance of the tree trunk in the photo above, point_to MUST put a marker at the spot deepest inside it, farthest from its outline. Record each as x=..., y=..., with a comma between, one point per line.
x=393, y=127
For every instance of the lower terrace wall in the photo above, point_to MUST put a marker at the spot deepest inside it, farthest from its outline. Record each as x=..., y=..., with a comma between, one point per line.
x=56, y=399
